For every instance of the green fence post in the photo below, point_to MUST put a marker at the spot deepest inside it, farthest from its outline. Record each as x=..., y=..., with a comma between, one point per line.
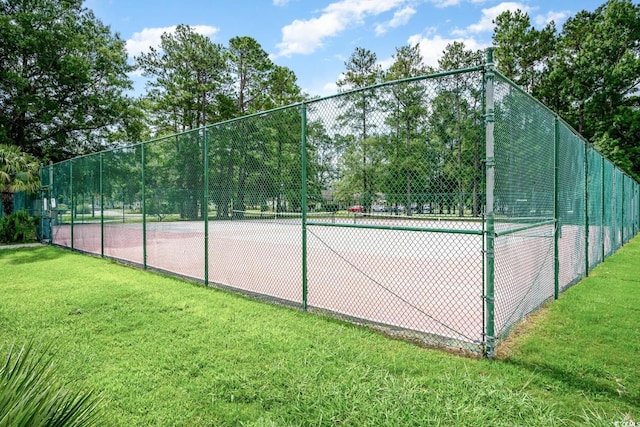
x=556, y=209
x=614, y=214
x=144, y=209
x=101, y=206
x=602, y=227
x=586, y=208
x=623, y=225
x=73, y=201
x=52, y=210
x=205, y=197
x=490, y=229
x=303, y=153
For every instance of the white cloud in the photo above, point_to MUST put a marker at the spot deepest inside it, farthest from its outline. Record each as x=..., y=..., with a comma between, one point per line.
x=305, y=36
x=135, y=73
x=488, y=16
x=330, y=88
x=387, y=63
x=150, y=37
x=557, y=17
x=400, y=17
x=280, y=2
x=431, y=48
x=445, y=3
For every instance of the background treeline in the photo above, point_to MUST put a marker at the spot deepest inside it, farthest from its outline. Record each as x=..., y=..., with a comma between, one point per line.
x=65, y=91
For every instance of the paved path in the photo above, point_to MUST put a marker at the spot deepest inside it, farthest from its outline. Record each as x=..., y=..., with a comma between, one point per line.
x=20, y=245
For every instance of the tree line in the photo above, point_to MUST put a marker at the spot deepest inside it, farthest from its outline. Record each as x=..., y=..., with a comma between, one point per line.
x=64, y=92
x=588, y=72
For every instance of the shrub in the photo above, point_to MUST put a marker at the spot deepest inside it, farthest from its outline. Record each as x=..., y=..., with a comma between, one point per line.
x=84, y=209
x=17, y=227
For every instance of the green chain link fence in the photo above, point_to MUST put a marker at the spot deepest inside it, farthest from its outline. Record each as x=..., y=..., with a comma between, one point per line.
x=441, y=209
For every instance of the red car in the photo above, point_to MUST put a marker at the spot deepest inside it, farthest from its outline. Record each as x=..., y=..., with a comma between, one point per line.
x=356, y=208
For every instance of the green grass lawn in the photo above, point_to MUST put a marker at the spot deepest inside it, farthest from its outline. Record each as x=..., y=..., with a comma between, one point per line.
x=166, y=352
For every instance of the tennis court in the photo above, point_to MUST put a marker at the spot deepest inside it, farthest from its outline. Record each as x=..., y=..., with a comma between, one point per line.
x=485, y=214
x=427, y=282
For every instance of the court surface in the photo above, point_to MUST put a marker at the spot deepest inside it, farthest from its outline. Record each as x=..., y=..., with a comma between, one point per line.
x=423, y=281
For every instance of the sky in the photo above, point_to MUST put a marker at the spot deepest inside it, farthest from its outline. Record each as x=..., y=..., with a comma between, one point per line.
x=315, y=38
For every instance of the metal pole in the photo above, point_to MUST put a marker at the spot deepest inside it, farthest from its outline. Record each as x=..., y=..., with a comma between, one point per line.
x=206, y=207
x=556, y=203
x=623, y=226
x=490, y=229
x=484, y=215
x=144, y=209
x=614, y=214
x=586, y=208
x=51, y=207
x=303, y=153
x=101, y=206
x=602, y=227
x=73, y=202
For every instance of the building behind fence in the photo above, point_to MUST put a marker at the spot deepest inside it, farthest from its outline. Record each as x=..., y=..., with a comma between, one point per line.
x=442, y=208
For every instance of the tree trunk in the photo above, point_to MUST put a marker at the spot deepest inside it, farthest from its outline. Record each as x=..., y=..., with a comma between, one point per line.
x=7, y=202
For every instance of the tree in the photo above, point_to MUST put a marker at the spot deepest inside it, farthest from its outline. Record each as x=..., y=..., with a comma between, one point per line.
x=460, y=101
x=362, y=70
x=589, y=73
x=63, y=76
x=408, y=112
x=522, y=51
x=257, y=85
x=187, y=74
x=19, y=171
x=187, y=91
x=598, y=67
x=282, y=88
x=250, y=68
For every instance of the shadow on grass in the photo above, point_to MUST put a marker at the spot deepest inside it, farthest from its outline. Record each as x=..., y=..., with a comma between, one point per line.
x=581, y=383
x=21, y=256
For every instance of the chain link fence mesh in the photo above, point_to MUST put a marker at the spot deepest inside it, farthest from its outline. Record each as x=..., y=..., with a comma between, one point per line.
x=572, y=207
x=596, y=208
x=524, y=205
x=399, y=179
x=368, y=205
x=610, y=208
x=255, y=198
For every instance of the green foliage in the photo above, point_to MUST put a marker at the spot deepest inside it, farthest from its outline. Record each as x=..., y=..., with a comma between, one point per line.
x=415, y=143
x=214, y=83
x=33, y=393
x=588, y=72
x=248, y=160
x=186, y=72
x=17, y=227
x=83, y=209
x=522, y=51
x=331, y=207
x=19, y=171
x=63, y=80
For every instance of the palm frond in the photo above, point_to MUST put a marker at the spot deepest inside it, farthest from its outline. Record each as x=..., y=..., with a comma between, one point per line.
x=32, y=393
